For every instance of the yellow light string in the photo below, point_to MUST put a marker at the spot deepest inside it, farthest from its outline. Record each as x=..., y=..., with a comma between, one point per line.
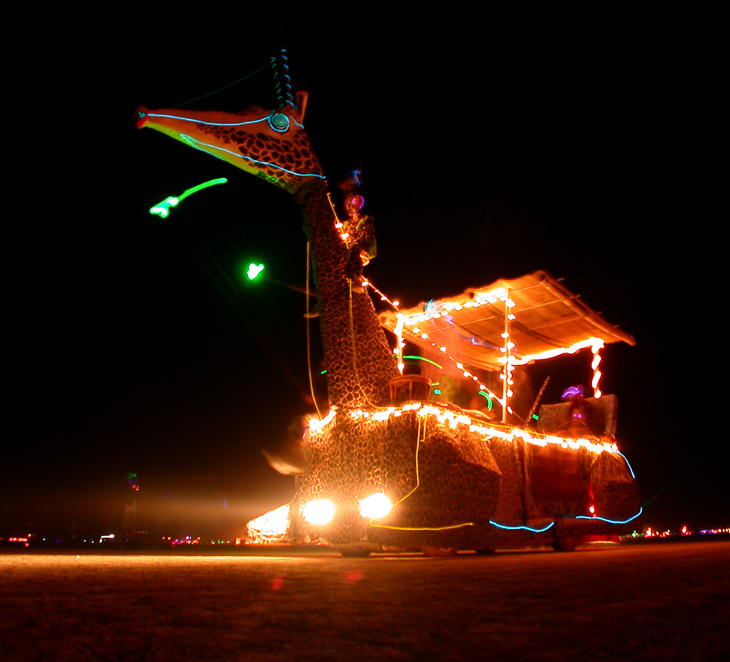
x=421, y=435
x=338, y=222
x=309, y=349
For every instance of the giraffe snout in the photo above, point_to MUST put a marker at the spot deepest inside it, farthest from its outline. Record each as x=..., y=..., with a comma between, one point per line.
x=142, y=116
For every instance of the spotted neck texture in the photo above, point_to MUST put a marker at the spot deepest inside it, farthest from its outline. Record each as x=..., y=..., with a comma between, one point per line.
x=358, y=358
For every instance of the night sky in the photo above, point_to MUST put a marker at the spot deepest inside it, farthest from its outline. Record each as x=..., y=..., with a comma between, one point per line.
x=487, y=152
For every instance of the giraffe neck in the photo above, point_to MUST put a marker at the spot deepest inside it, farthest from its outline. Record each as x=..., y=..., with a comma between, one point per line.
x=358, y=358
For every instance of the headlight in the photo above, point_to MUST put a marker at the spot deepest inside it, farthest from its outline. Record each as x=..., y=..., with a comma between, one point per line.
x=374, y=506
x=318, y=511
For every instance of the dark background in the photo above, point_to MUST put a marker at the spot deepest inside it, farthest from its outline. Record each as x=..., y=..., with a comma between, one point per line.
x=489, y=148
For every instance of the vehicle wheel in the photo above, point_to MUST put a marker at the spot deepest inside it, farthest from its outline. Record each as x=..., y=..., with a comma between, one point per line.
x=440, y=551
x=565, y=544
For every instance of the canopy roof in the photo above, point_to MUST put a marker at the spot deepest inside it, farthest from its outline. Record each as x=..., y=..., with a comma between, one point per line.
x=548, y=320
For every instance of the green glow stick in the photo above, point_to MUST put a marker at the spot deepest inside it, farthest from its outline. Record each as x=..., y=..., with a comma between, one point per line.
x=163, y=209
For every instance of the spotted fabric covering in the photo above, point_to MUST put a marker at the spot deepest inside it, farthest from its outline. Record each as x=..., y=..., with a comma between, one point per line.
x=454, y=486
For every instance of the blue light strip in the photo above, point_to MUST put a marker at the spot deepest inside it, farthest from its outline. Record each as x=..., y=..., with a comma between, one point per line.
x=196, y=143
x=627, y=463
x=190, y=119
x=612, y=521
x=528, y=528
x=525, y=528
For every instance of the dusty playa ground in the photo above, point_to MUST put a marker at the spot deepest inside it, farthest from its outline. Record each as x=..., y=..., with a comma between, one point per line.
x=654, y=602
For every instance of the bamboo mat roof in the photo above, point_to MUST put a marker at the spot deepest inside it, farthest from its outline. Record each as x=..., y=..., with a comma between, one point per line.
x=548, y=318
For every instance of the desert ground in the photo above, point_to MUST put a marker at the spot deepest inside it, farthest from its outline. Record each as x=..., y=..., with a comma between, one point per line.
x=646, y=602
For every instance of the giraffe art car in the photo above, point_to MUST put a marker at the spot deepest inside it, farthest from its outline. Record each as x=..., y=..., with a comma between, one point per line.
x=415, y=461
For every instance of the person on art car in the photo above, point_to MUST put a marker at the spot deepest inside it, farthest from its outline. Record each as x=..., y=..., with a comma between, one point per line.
x=579, y=413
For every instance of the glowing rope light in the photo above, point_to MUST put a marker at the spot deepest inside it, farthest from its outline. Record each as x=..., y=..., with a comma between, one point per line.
x=432, y=310
x=163, y=208
x=595, y=348
x=523, y=528
x=422, y=528
x=322, y=511
x=197, y=145
x=422, y=358
x=448, y=417
x=611, y=521
x=551, y=353
x=490, y=404
x=627, y=463
x=424, y=336
x=180, y=118
x=507, y=351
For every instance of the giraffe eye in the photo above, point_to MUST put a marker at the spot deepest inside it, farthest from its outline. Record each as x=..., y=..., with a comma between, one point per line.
x=279, y=122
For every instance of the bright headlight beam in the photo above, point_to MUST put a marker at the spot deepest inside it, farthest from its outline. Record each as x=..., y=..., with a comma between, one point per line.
x=374, y=506
x=318, y=511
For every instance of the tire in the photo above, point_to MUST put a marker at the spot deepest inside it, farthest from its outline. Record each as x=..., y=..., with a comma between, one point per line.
x=565, y=544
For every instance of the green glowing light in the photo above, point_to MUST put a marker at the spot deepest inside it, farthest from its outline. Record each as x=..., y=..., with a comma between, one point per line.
x=254, y=270
x=163, y=209
x=489, y=400
x=420, y=358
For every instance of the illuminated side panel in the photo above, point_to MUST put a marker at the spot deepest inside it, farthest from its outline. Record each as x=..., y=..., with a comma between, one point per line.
x=457, y=480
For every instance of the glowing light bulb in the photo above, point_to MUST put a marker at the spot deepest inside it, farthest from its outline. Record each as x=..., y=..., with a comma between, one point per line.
x=374, y=506
x=318, y=511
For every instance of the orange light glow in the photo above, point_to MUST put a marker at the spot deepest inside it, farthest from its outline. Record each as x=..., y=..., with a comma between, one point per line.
x=270, y=526
x=318, y=511
x=453, y=419
x=374, y=506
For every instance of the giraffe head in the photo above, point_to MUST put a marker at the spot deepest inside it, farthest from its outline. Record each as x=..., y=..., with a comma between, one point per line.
x=272, y=145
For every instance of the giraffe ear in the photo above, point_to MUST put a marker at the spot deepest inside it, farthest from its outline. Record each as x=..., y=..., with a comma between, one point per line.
x=301, y=106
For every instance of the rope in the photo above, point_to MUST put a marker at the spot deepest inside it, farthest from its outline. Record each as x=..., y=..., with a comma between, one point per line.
x=225, y=87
